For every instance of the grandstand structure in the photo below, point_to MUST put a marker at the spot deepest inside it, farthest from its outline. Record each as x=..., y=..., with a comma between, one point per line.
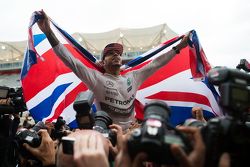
x=135, y=42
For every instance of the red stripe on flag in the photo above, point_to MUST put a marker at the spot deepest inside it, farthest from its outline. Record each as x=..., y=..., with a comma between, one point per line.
x=50, y=69
x=139, y=110
x=182, y=96
x=178, y=64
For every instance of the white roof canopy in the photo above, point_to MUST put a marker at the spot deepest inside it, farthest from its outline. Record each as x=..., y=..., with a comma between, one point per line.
x=141, y=39
x=132, y=39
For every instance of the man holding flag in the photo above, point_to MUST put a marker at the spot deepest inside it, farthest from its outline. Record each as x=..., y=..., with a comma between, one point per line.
x=114, y=92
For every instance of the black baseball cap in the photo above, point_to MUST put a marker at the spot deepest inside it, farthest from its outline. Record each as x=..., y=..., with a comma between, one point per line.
x=112, y=46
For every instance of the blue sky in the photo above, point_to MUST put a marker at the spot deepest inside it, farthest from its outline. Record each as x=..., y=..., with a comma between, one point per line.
x=223, y=26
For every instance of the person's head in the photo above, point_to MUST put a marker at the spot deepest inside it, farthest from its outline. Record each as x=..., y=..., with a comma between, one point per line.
x=111, y=57
x=68, y=160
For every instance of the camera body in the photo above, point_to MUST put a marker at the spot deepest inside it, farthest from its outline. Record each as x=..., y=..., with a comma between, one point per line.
x=29, y=136
x=226, y=135
x=87, y=119
x=59, y=129
x=231, y=133
x=234, y=86
x=156, y=136
x=244, y=64
x=14, y=101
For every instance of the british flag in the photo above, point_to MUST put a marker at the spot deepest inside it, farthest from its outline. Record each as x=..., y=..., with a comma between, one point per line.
x=50, y=87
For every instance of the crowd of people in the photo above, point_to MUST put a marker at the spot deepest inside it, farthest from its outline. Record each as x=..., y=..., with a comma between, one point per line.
x=91, y=148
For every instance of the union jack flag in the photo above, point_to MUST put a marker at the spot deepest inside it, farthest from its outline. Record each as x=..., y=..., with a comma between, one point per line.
x=50, y=87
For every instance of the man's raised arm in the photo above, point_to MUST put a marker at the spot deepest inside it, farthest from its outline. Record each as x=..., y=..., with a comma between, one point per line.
x=44, y=25
x=83, y=72
x=143, y=73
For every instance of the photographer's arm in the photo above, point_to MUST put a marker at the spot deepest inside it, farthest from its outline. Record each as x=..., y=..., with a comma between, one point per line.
x=89, y=150
x=224, y=160
x=46, y=152
x=119, y=138
x=197, y=157
x=15, y=124
x=123, y=158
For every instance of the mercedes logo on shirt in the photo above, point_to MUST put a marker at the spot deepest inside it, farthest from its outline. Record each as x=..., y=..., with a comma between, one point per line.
x=109, y=84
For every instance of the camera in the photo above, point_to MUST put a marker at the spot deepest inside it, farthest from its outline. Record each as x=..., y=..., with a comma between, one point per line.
x=29, y=136
x=59, y=128
x=234, y=86
x=231, y=133
x=244, y=64
x=82, y=105
x=226, y=135
x=156, y=135
x=12, y=100
x=87, y=119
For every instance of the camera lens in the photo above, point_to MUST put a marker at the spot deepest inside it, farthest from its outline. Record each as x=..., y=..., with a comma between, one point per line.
x=39, y=125
x=102, y=122
x=157, y=110
x=102, y=119
x=59, y=123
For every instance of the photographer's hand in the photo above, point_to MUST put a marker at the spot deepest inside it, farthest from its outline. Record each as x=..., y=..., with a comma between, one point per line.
x=50, y=127
x=89, y=151
x=224, y=160
x=46, y=151
x=119, y=137
x=123, y=158
x=197, y=157
x=197, y=113
x=5, y=101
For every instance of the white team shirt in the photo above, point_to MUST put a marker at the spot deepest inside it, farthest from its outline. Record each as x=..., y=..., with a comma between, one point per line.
x=113, y=94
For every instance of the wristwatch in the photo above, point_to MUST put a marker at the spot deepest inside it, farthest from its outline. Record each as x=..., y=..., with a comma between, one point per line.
x=177, y=51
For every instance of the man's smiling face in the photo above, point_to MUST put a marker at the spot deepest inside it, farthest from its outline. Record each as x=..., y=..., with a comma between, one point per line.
x=113, y=57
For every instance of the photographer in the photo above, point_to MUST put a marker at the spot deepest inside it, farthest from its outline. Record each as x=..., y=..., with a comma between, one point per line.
x=231, y=133
x=8, y=127
x=194, y=159
x=46, y=152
